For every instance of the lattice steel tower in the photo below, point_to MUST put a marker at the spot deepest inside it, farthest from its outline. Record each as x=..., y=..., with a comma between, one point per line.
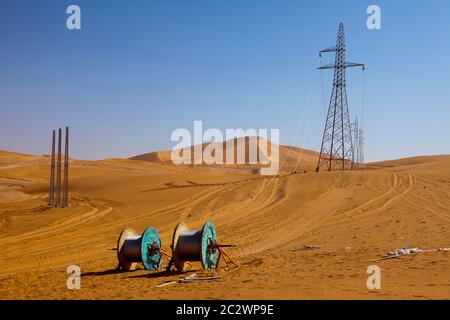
x=358, y=142
x=337, y=151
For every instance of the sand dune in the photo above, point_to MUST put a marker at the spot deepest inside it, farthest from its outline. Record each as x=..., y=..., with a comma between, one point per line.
x=291, y=158
x=356, y=217
x=410, y=161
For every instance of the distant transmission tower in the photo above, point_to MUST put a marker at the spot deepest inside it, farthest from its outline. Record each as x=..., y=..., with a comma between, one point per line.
x=355, y=132
x=358, y=142
x=361, y=147
x=337, y=151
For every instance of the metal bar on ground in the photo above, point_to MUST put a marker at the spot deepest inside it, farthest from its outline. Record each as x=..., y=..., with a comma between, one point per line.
x=66, y=170
x=51, y=197
x=58, y=172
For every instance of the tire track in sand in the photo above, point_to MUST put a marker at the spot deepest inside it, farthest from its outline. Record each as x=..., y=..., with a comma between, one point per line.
x=387, y=201
x=97, y=211
x=444, y=209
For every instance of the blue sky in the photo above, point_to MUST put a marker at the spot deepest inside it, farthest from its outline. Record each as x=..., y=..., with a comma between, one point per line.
x=140, y=69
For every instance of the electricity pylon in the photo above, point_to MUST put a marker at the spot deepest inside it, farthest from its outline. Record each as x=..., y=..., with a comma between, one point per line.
x=361, y=147
x=337, y=151
x=358, y=142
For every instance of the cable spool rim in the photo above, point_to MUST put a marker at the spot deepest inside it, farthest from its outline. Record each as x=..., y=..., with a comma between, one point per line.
x=150, y=236
x=123, y=262
x=179, y=264
x=209, y=260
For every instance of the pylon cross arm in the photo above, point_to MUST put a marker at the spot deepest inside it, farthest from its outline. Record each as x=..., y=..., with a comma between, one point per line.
x=346, y=65
x=351, y=65
x=331, y=49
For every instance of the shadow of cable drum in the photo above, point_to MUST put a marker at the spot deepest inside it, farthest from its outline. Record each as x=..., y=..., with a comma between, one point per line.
x=105, y=272
x=161, y=274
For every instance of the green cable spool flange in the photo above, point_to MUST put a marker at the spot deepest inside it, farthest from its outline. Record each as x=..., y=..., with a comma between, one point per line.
x=195, y=245
x=209, y=246
x=150, y=249
x=133, y=248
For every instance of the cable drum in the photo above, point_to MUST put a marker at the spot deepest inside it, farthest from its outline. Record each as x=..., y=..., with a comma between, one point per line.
x=195, y=245
x=133, y=248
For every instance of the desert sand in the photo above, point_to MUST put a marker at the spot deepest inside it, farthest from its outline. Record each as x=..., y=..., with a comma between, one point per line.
x=355, y=216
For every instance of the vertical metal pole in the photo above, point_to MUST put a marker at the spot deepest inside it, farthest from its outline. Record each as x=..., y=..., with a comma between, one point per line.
x=51, y=197
x=58, y=172
x=66, y=170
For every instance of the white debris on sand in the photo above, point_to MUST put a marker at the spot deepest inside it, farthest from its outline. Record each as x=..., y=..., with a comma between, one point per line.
x=401, y=252
x=408, y=251
x=192, y=278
